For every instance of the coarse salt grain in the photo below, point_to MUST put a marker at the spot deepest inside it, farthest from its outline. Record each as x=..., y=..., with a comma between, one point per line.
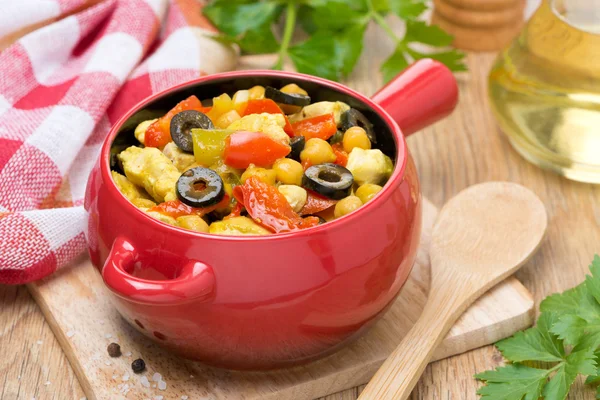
x=83, y=398
x=70, y=333
x=158, y=398
x=107, y=362
x=184, y=397
x=125, y=388
x=156, y=377
x=144, y=381
x=19, y=377
x=39, y=342
x=153, y=385
x=128, y=354
x=47, y=383
x=162, y=385
x=108, y=336
x=115, y=376
x=125, y=377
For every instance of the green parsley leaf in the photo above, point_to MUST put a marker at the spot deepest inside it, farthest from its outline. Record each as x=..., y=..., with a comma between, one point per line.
x=335, y=30
x=394, y=64
x=593, y=282
x=572, y=317
x=534, y=344
x=407, y=9
x=513, y=382
x=595, y=378
x=453, y=59
x=234, y=18
x=259, y=41
x=419, y=31
x=580, y=362
x=334, y=15
x=316, y=56
x=348, y=46
x=565, y=303
x=570, y=328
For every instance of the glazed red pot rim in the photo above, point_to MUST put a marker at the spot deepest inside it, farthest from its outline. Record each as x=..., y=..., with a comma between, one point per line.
x=382, y=196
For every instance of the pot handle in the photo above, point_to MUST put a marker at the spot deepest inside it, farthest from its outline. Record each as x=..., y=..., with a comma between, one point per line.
x=420, y=95
x=196, y=281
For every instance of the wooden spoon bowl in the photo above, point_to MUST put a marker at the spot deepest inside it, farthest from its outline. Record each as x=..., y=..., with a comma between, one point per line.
x=482, y=236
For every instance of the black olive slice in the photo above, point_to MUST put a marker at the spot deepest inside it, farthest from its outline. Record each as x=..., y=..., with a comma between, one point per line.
x=200, y=187
x=297, y=144
x=330, y=180
x=292, y=99
x=181, y=125
x=353, y=117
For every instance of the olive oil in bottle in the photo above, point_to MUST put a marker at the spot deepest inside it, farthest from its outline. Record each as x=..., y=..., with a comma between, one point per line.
x=545, y=89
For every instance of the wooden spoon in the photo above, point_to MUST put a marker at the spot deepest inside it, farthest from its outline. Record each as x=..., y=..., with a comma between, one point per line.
x=481, y=236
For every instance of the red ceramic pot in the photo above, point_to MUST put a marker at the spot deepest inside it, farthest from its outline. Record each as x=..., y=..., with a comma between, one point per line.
x=269, y=301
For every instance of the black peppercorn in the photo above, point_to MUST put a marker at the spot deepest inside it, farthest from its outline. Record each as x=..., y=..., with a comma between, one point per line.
x=114, y=350
x=138, y=365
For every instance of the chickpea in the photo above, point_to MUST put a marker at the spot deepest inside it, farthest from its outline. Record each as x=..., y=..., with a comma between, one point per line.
x=192, y=222
x=256, y=93
x=346, y=206
x=292, y=88
x=367, y=191
x=266, y=175
x=317, y=151
x=240, y=101
x=289, y=172
x=356, y=137
x=227, y=119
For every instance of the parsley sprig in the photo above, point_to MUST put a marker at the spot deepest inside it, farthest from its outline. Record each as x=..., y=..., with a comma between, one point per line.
x=566, y=338
x=334, y=30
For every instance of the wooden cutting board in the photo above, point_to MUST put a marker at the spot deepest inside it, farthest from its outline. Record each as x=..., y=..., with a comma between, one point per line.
x=79, y=311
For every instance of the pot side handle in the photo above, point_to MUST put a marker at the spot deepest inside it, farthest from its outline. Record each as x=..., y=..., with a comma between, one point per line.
x=422, y=94
x=195, y=282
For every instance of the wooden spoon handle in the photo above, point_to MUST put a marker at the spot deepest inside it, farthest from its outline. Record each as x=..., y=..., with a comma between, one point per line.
x=399, y=374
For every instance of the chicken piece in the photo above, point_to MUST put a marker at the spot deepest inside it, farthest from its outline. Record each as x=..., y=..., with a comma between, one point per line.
x=143, y=204
x=128, y=189
x=150, y=168
x=140, y=130
x=182, y=160
x=369, y=166
x=162, y=217
x=269, y=124
x=336, y=108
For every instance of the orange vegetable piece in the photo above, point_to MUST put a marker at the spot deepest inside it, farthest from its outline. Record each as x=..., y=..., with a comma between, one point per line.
x=245, y=148
x=269, y=208
x=176, y=208
x=340, y=154
x=321, y=127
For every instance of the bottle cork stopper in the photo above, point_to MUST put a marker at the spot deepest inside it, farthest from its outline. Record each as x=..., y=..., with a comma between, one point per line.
x=480, y=25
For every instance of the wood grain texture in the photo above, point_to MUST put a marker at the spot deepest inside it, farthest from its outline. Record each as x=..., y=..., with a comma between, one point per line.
x=465, y=149
x=481, y=236
x=79, y=312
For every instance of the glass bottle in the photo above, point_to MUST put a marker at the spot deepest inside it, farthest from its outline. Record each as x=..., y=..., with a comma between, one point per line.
x=545, y=89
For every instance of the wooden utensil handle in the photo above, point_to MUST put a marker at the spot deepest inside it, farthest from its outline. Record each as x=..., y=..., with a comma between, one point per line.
x=415, y=351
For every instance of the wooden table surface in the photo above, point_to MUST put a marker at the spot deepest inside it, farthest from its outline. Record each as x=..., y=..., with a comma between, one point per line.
x=465, y=149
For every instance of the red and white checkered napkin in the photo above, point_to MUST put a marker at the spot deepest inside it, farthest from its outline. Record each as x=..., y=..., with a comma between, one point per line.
x=61, y=88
